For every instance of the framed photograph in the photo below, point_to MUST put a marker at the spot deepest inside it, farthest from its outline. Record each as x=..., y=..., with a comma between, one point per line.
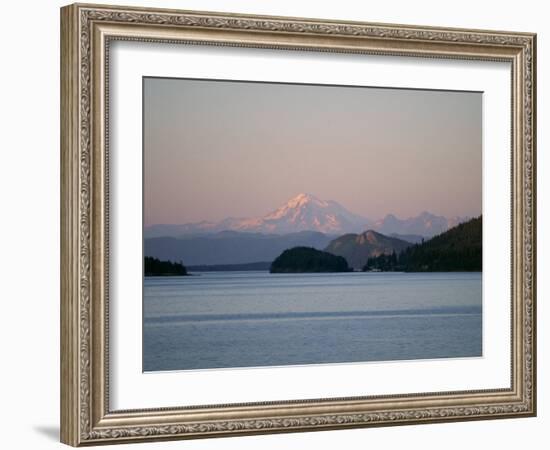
x=274, y=224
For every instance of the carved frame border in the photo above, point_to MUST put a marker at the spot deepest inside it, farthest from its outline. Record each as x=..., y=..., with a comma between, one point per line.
x=86, y=31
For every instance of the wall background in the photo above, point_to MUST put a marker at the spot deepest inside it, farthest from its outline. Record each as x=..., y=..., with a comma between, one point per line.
x=29, y=221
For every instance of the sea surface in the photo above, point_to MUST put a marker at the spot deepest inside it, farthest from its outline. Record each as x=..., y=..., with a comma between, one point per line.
x=252, y=319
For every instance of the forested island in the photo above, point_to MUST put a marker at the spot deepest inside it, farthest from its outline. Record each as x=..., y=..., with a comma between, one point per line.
x=308, y=260
x=456, y=250
x=156, y=267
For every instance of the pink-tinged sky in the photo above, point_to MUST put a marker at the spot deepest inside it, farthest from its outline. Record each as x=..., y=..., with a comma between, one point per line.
x=217, y=149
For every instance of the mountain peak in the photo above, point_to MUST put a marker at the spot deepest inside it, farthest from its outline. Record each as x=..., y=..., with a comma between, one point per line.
x=304, y=199
x=372, y=234
x=358, y=248
x=307, y=212
x=372, y=237
x=367, y=236
x=304, y=196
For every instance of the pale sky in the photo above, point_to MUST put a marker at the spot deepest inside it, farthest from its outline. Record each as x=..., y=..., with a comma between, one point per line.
x=217, y=149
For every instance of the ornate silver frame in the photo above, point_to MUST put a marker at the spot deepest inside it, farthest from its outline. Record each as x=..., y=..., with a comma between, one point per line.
x=86, y=31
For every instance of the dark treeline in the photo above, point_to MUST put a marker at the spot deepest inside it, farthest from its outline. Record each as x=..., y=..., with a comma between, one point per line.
x=384, y=263
x=156, y=267
x=458, y=249
x=307, y=259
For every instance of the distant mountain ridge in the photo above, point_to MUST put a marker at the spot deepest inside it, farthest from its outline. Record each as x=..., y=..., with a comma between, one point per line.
x=230, y=247
x=305, y=212
x=425, y=224
x=358, y=248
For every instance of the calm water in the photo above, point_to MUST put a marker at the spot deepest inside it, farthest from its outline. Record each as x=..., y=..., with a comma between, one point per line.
x=244, y=319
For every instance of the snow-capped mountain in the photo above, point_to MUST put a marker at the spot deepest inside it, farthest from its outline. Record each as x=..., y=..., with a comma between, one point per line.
x=305, y=212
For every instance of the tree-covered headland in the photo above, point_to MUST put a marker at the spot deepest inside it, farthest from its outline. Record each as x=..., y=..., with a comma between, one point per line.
x=156, y=267
x=456, y=250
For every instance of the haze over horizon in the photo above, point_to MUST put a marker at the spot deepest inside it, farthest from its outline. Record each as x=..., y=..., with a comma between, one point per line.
x=218, y=149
